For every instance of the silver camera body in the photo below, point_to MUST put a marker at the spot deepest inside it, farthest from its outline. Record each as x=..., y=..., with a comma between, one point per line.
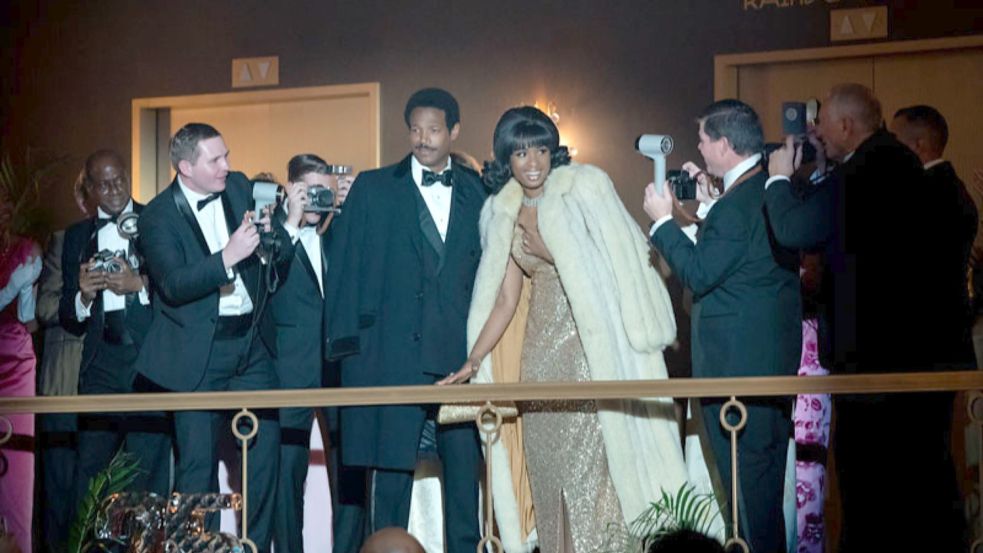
x=321, y=199
x=105, y=261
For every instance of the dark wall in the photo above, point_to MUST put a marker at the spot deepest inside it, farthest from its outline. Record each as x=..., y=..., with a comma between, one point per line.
x=615, y=68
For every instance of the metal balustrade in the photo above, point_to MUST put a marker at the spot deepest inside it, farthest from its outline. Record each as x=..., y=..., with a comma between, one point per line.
x=489, y=420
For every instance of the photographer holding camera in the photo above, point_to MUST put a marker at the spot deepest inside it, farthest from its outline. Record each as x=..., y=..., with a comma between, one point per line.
x=313, y=193
x=105, y=296
x=745, y=315
x=210, y=330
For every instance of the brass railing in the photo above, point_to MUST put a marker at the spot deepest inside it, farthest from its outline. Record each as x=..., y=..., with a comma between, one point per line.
x=731, y=388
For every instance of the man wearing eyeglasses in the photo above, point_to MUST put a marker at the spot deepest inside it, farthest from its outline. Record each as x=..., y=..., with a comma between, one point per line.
x=105, y=296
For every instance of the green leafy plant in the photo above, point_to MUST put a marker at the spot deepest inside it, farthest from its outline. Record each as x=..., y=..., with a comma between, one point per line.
x=115, y=478
x=22, y=184
x=684, y=510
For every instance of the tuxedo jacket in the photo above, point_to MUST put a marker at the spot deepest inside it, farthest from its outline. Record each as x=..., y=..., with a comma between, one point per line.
x=186, y=279
x=956, y=220
x=878, y=233
x=399, y=300
x=81, y=243
x=297, y=309
x=746, y=299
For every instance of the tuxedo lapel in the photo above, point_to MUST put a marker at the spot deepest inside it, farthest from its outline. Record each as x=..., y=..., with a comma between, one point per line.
x=406, y=194
x=185, y=210
x=230, y=221
x=460, y=197
x=305, y=260
x=428, y=227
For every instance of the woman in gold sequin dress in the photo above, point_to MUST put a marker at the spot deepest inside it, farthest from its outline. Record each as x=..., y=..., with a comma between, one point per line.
x=597, y=311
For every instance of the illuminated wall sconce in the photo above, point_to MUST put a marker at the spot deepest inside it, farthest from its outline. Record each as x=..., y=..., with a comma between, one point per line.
x=553, y=111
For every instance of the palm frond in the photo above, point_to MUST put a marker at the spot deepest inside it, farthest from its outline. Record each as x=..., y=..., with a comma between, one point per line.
x=22, y=186
x=684, y=510
x=115, y=478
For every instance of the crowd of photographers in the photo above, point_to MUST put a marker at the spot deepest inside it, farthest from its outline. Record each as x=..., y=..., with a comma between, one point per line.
x=892, y=221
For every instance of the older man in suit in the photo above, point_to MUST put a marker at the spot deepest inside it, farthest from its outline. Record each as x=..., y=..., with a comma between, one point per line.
x=109, y=303
x=746, y=310
x=890, y=449
x=402, y=267
x=210, y=331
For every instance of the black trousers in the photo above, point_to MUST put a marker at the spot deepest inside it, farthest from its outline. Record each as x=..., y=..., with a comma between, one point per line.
x=762, y=446
x=232, y=366
x=348, y=484
x=58, y=456
x=896, y=474
x=459, y=450
x=144, y=435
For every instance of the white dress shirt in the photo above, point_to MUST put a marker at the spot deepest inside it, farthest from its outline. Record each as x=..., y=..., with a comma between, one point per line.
x=233, y=299
x=108, y=238
x=311, y=241
x=933, y=163
x=730, y=177
x=437, y=197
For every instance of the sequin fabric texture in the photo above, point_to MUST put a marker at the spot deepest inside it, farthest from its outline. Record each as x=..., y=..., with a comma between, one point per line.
x=573, y=495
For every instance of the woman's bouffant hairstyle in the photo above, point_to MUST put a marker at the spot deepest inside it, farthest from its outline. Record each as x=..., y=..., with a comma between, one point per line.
x=520, y=128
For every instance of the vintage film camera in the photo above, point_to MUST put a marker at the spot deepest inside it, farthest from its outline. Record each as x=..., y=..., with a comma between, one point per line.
x=796, y=119
x=106, y=262
x=321, y=199
x=683, y=186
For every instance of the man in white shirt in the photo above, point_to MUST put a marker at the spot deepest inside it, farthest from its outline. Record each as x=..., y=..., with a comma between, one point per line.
x=403, y=260
x=746, y=310
x=298, y=311
x=210, y=331
x=107, y=300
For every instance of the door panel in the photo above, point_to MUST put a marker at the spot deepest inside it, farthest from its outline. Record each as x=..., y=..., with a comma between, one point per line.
x=262, y=137
x=951, y=82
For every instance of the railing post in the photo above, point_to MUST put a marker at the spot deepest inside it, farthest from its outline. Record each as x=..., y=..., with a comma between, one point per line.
x=733, y=429
x=490, y=432
x=244, y=438
x=974, y=417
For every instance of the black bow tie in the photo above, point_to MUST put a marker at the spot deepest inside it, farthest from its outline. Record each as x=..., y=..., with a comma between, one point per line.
x=208, y=199
x=446, y=178
x=103, y=221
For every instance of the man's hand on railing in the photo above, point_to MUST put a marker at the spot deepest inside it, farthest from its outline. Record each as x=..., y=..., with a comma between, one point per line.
x=468, y=370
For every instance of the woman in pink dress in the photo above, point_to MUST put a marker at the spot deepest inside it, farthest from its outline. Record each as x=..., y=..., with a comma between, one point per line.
x=811, y=420
x=20, y=267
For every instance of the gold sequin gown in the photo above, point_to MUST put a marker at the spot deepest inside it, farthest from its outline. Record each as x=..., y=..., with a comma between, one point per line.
x=574, y=499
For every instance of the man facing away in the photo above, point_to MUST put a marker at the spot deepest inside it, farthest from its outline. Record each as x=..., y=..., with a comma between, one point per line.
x=403, y=261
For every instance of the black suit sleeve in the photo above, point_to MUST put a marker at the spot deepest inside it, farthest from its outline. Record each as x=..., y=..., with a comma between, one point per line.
x=720, y=249
x=70, y=264
x=349, y=245
x=177, y=281
x=799, y=223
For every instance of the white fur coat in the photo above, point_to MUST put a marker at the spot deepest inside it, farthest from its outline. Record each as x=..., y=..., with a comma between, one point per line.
x=623, y=314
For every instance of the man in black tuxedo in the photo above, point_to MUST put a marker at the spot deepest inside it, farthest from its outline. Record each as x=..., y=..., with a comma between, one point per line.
x=403, y=260
x=298, y=311
x=888, y=447
x=108, y=301
x=951, y=210
x=210, y=331
x=746, y=310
